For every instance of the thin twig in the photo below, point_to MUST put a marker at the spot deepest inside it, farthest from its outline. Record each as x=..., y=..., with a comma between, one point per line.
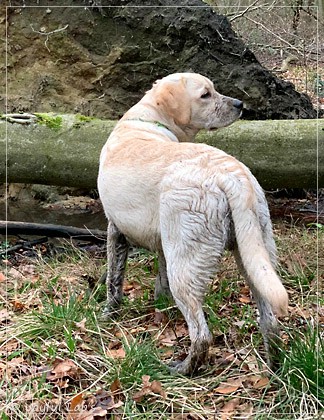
x=248, y=9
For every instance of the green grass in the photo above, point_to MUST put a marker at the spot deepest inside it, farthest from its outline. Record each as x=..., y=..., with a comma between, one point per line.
x=58, y=318
x=300, y=380
x=141, y=358
x=303, y=363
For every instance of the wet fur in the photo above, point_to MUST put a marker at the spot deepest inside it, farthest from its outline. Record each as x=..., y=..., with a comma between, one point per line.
x=188, y=202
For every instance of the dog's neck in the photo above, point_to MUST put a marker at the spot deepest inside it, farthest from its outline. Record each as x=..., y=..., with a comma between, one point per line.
x=147, y=113
x=157, y=125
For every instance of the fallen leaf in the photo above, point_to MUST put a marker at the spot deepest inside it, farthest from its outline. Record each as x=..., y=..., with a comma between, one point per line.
x=9, y=347
x=94, y=413
x=27, y=269
x=245, y=290
x=116, y=353
x=156, y=388
x=246, y=410
x=244, y=299
x=229, y=387
x=81, y=325
x=261, y=383
x=226, y=389
x=63, y=369
x=148, y=388
x=168, y=338
x=115, y=387
x=15, y=274
x=229, y=408
x=17, y=306
x=77, y=400
x=2, y=277
x=63, y=383
x=98, y=411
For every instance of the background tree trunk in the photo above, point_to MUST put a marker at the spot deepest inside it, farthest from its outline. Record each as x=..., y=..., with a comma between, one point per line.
x=282, y=154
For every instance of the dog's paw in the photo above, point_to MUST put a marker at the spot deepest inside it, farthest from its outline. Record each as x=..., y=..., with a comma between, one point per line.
x=109, y=313
x=181, y=368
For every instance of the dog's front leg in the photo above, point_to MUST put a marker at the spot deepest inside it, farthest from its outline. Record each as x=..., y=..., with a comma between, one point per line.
x=162, y=283
x=117, y=251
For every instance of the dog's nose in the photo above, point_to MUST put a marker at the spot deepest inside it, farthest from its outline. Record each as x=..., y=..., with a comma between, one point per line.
x=238, y=104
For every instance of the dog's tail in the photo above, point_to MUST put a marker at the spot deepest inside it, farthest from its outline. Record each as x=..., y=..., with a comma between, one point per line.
x=244, y=205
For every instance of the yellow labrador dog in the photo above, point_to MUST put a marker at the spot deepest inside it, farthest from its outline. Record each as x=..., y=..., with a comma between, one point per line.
x=187, y=202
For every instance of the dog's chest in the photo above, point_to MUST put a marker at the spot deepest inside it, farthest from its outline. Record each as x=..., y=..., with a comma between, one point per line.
x=133, y=205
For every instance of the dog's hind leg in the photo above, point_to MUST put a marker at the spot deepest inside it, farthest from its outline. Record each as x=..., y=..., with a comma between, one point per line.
x=190, y=304
x=162, y=287
x=194, y=227
x=117, y=251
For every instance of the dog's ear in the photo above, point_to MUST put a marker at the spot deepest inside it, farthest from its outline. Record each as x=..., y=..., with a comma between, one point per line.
x=172, y=98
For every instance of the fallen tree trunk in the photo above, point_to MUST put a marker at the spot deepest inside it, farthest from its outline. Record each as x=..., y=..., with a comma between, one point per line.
x=281, y=154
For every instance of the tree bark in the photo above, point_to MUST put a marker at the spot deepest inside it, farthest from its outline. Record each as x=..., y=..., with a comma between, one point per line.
x=281, y=154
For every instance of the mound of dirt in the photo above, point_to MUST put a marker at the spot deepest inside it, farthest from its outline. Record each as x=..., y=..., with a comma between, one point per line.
x=66, y=56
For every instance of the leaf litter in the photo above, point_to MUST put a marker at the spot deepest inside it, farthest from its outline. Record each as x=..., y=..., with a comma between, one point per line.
x=87, y=385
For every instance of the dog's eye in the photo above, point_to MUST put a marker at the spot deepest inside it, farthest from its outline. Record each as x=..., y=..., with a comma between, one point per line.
x=206, y=95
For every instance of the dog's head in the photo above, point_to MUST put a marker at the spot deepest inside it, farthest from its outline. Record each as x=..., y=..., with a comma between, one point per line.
x=191, y=100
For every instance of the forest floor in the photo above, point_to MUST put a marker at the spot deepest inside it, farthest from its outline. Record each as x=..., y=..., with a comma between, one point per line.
x=64, y=362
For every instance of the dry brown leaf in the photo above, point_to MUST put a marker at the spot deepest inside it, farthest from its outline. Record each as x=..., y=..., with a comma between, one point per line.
x=181, y=330
x=98, y=411
x=156, y=388
x=116, y=353
x=261, y=382
x=62, y=369
x=9, y=347
x=115, y=387
x=226, y=389
x=2, y=277
x=229, y=387
x=17, y=306
x=168, y=338
x=76, y=400
x=81, y=324
x=106, y=400
x=245, y=290
x=244, y=299
x=92, y=414
x=27, y=269
x=15, y=274
x=229, y=408
x=148, y=387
